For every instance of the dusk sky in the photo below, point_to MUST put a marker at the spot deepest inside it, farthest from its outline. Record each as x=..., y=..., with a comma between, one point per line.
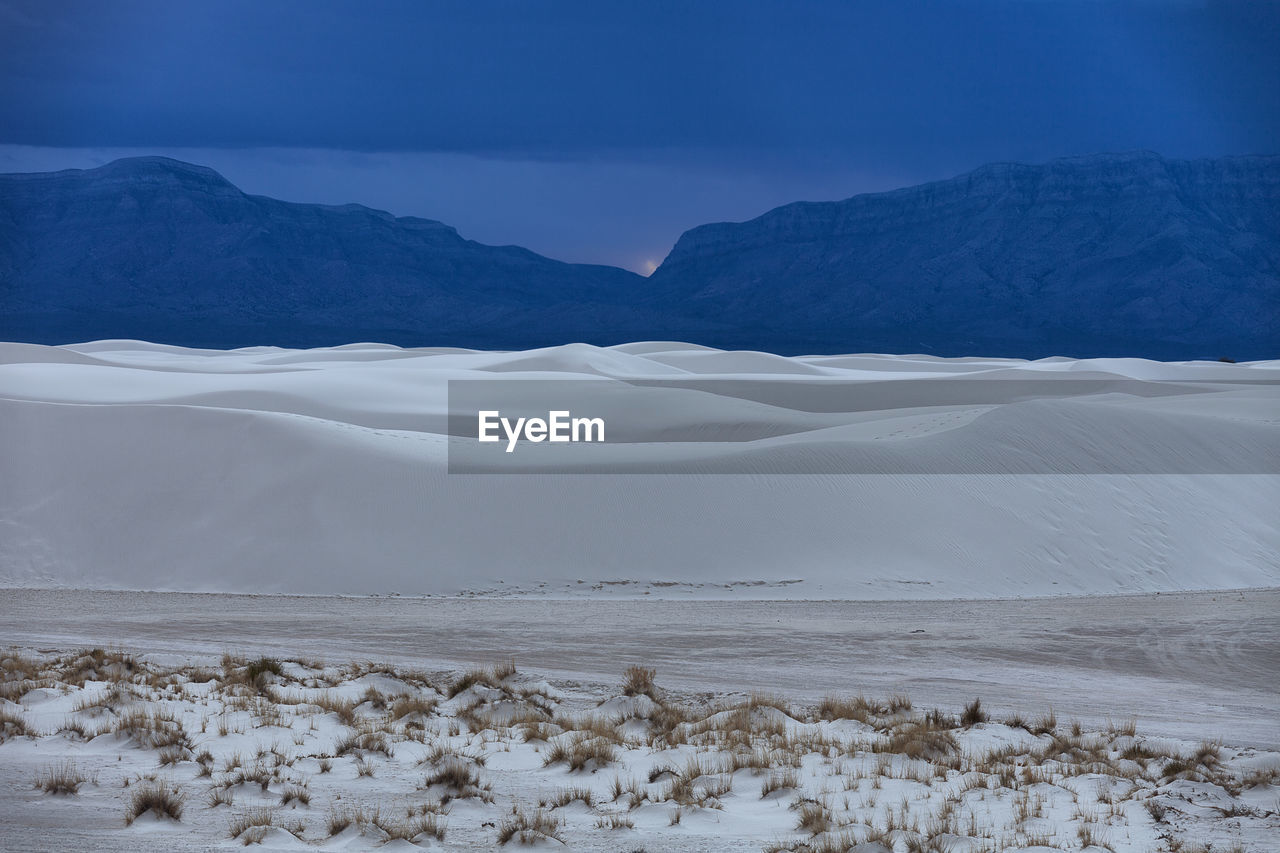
x=597, y=132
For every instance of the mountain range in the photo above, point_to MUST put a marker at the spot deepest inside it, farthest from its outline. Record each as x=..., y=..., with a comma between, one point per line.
x=1117, y=255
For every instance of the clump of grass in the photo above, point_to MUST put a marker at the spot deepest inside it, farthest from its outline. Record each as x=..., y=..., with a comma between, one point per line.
x=12, y=725
x=255, y=674
x=1047, y=724
x=814, y=818
x=158, y=799
x=363, y=743
x=1124, y=728
x=460, y=781
x=154, y=730
x=407, y=705
x=492, y=677
x=221, y=797
x=973, y=714
x=1260, y=776
x=638, y=681
x=340, y=819
x=373, y=696
x=172, y=755
x=295, y=794
x=110, y=699
x=780, y=780
x=525, y=827
x=63, y=778
x=614, y=820
x=251, y=825
x=343, y=709
x=837, y=708
x=920, y=740
x=581, y=751
x=411, y=828
x=76, y=730
x=565, y=796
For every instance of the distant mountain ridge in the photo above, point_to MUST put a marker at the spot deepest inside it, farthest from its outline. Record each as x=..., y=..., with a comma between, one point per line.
x=1126, y=254
x=163, y=250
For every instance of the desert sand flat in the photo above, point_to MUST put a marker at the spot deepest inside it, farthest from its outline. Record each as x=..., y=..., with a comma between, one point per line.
x=140, y=466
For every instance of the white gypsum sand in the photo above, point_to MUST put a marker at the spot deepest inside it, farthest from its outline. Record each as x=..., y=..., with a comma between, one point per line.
x=107, y=750
x=1140, y=607
x=138, y=466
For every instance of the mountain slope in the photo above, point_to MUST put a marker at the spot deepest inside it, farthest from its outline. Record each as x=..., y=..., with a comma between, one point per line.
x=1118, y=254
x=1104, y=255
x=155, y=248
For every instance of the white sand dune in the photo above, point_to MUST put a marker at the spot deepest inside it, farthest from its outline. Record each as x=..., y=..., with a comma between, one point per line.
x=126, y=464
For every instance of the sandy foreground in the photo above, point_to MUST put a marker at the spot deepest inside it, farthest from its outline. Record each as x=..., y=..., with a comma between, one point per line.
x=1183, y=669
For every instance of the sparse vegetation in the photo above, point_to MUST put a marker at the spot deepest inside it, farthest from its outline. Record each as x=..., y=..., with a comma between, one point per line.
x=61, y=778
x=638, y=681
x=154, y=798
x=525, y=827
x=251, y=826
x=836, y=777
x=973, y=714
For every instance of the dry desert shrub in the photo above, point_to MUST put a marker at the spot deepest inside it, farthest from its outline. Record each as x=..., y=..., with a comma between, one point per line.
x=442, y=752
x=614, y=820
x=591, y=725
x=364, y=742
x=251, y=826
x=76, y=730
x=295, y=794
x=780, y=780
x=110, y=699
x=814, y=817
x=221, y=797
x=259, y=775
x=340, y=819
x=343, y=709
x=409, y=705
x=156, y=798
x=1124, y=728
x=581, y=751
x=525, y=827
x=1046, y=725
x=701, y=783
x=565, y=796
x=918, y=739
x=61, y=778
x=255, y=675
x=13, y=725
x=411, y=828
x=973, y=714
x=1260, y=776
x=858, y=708
x=152, y=729
x=490, y=677
x=460, y=782
x=638, y=681
x=374, y=698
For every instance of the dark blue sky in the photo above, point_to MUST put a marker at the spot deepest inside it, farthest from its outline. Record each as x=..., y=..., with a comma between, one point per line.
x=598, y=131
